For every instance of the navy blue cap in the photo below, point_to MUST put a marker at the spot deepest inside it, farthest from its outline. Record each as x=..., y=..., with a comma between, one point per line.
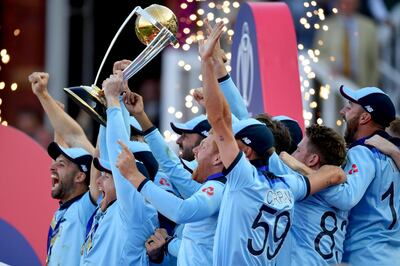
x=79, y=156
x=102, y=165
x=254, y=134
x=198, y=125
x=294, y=129
x=374, y=101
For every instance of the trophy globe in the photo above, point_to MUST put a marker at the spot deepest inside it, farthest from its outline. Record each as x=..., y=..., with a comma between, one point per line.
x=156, y=27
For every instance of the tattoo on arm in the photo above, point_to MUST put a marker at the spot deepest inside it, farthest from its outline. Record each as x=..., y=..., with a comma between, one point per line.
x=221, y=138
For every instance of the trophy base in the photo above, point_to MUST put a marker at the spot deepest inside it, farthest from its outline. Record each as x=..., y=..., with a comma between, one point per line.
x=89, y=102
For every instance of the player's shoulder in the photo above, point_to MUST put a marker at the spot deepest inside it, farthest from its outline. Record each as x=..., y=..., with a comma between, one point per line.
x=360, y=148
x=211, y=188
x=217, y=182
x=239, y=165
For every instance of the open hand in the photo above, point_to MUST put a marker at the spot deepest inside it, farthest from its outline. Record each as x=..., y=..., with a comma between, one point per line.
x=207, y=47
x=219, y=53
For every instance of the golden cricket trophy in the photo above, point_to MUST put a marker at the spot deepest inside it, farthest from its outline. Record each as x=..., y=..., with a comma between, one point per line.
x=156, y=27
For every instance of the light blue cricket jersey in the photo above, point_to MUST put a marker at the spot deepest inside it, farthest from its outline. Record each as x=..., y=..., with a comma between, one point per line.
x=199, y=213
x=125, y=226
x=171, y=164
x=68, y=230
x=373, y=186
x=162, y=181
x=318, y=230
x=233, y=97
x=255, y=215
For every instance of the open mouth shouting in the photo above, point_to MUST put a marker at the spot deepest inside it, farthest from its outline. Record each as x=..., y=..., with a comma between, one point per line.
x=55, y=181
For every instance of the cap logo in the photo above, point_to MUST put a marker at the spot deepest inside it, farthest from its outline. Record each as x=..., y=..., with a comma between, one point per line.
x=246, y=140
x=369, y=108
x=204, y=132
x=84, y=168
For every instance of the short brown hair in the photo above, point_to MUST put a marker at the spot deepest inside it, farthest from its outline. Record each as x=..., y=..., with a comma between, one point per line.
x=279, y=130
x=395, y=128
x=327, y=143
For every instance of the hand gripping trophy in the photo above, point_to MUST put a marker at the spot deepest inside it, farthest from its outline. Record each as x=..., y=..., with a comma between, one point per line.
x=155, y=27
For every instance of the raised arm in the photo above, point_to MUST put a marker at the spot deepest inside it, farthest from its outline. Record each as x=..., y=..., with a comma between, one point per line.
x=386, y=147
x=129, y=200
x=168, y=161
x=64, y=126
x=66, y=130
x=228, y=88
x=217, y=108
x=94, y=174
x=197, y=207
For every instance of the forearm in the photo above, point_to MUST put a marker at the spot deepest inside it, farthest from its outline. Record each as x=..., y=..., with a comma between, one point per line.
x=396, y=157
x=325, y=177
x=295, y=164
x=102, y=143
x=59, y=140
x=64, y=126
x=124, y=190
x=213, y=97
x=171, y=165
x=233, y=97
x=94, y=174
x=144, y=121
x=176, y=209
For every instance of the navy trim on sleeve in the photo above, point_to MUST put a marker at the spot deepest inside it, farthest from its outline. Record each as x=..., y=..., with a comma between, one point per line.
x=308, y=186
x=142, y=184
x=148, y=160
x=185, y=166
x=149, y=130
x=226, y=77
x=168, y=240
x=92, y=200
x=226, y=171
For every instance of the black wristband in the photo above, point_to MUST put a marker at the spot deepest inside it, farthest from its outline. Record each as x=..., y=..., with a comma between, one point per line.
x=149, y=130
x=142, y=184
x=167, y=241
x=227, y=76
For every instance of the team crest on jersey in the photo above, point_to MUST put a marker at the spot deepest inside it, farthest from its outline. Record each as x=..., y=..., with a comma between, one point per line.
x=164, y=182
x=353, y=169
x=208, y=190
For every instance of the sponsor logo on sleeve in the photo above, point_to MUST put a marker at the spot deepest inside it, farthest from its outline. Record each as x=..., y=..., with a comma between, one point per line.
x=164, y=182
x=353, y=169
x=208, y=190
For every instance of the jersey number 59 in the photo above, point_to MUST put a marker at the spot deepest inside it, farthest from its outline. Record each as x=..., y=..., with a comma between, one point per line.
x=258, y=223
